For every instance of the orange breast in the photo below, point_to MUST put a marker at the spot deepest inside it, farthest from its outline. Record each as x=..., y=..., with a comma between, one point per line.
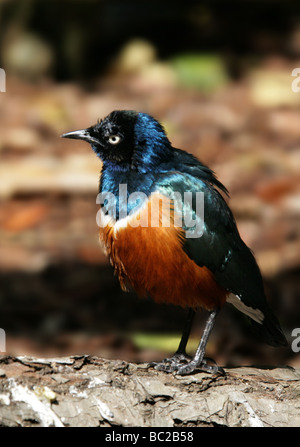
x=152, y=259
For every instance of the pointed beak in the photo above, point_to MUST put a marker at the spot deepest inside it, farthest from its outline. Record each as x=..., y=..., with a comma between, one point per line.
x=76, y=135
x=80, y=135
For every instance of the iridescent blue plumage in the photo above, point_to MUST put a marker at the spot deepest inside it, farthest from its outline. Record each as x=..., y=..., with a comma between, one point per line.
x=151, y=154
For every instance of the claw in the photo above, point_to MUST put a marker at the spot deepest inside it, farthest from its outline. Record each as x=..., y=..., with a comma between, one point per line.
x=171, y=364
x=192, y=367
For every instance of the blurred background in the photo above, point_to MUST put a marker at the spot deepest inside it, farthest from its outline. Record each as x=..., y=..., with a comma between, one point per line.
x=217, y=74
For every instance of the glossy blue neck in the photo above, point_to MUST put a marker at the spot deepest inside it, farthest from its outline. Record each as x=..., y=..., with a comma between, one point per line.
x=151, y=151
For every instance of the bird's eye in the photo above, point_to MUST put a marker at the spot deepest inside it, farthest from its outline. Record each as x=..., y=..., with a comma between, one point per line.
x=114, y=139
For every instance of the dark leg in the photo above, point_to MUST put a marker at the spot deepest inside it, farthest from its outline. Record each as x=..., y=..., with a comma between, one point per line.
x=186, y=332
x=198, y=362
x=180, y=356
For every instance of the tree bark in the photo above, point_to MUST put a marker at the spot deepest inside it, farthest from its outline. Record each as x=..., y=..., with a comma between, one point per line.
x=88, y=391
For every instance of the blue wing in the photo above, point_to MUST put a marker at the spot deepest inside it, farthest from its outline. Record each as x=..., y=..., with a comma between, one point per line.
x=221, y=249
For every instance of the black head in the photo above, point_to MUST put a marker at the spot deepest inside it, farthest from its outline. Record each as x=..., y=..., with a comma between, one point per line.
x=126, y=137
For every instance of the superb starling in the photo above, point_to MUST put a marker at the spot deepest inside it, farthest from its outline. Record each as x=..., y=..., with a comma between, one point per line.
x=169, y=232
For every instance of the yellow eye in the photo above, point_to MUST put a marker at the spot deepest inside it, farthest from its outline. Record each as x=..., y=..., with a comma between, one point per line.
x=114, y=139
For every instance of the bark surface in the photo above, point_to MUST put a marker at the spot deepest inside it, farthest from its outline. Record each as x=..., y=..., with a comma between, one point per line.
x=88, y=391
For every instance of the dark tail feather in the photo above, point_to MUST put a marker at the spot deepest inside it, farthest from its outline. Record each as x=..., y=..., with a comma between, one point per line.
x=269, y=331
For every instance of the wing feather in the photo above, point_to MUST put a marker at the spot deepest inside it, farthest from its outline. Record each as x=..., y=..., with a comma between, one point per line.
x=221, y=249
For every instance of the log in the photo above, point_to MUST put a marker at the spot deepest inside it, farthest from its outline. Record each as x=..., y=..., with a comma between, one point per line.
x=87, y=391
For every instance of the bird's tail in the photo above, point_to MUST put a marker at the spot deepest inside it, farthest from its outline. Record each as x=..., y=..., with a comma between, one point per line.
x=269, y=331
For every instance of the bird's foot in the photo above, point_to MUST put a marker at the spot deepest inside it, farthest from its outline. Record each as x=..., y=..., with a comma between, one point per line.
x=183, y=365
x=173, y=363
x=193, y=367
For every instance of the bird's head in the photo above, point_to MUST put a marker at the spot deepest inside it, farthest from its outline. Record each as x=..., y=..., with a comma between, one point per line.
x=127, y=138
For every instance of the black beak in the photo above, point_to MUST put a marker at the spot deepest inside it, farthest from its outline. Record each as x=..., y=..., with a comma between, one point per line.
x=80, y=135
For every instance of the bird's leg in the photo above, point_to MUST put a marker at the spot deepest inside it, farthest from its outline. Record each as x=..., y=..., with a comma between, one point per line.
x=173, y=363
x=199, y=362
x=181, y=354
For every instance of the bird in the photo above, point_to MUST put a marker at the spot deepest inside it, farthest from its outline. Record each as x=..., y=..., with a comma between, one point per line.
x=161, y=245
